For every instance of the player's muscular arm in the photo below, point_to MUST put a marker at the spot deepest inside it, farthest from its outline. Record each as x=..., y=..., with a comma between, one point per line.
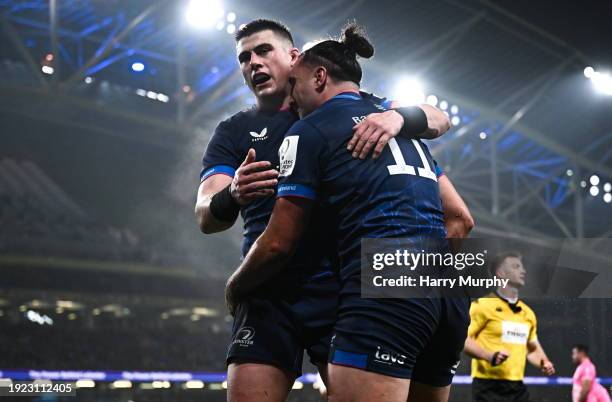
x=208, y=188
x=271, y=250
x=457, y=217
x=537, y=357
x=438, y=123
x=251, y=181
x=473, y=349
x=587, y=383
x=375, y=131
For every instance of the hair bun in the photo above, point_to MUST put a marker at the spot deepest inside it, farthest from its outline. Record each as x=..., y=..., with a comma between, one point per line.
x=354, y=38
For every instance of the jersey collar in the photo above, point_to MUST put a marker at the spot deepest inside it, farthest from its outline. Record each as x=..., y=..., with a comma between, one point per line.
x=513, y=306
x=347, y=95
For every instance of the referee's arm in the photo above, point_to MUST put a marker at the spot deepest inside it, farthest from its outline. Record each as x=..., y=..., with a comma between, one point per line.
x=473, y=349
x=537, y=357
x=478, y=320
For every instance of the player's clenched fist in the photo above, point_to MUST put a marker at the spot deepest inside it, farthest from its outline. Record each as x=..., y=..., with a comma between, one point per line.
x=253, y=180
x=547, y=367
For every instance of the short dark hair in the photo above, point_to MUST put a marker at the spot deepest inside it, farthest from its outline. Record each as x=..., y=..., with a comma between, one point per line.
x=340, y=57
x=581, y=347
x=262, y=25
x=499, y=259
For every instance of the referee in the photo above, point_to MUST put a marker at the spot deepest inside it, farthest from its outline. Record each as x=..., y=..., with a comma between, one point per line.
x=502, y=336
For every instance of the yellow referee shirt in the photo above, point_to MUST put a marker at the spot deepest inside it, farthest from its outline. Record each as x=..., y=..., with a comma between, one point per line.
x=495, y=327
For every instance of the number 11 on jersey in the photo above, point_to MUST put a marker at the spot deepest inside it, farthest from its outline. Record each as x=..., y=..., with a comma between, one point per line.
x=401, y=167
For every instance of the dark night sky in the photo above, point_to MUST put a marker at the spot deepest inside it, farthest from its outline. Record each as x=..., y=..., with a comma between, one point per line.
x=585, y=25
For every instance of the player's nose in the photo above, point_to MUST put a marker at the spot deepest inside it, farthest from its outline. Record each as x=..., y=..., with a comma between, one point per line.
x=256, y=61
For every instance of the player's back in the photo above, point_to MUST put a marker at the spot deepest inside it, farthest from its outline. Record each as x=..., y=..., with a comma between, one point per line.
x=264, y=132
x=396, y=195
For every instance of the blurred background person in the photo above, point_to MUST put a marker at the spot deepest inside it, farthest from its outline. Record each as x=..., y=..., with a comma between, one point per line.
x=585, y=387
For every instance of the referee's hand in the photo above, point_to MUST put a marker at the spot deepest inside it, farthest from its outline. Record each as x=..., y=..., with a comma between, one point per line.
x=498, y=357
x=547, y=367
x=253, y=180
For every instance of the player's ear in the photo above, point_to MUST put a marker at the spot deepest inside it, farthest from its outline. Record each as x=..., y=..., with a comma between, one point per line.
x=294, y=53
x=320, y=76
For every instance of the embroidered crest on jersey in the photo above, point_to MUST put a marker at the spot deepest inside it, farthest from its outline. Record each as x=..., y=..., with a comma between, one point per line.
x=287, y=155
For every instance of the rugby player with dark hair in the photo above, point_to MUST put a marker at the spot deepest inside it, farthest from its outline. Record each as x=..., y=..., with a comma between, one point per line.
x=585, y=387
x=397, y=195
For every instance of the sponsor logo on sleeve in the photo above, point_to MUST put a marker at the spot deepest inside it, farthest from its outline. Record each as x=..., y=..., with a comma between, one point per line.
x=287, y=154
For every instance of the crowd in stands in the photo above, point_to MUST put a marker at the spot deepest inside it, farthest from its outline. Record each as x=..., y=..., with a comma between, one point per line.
x=39, y=218
x=139, y=348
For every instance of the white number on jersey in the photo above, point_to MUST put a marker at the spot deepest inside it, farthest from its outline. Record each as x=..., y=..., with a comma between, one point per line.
x=401, y=167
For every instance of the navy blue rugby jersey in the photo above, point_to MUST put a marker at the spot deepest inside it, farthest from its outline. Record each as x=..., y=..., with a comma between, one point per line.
x=396, y=195
x=264, y=131
x=228, y=146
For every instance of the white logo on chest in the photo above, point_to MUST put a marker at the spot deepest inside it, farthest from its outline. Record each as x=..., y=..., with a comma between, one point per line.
x=259, y=136
x=515, y=332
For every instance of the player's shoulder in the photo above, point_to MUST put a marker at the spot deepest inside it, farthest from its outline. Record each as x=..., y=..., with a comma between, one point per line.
x=340, y=115
x=487, y=301
x=310, y=123
x=528, y=310
x=239, y=118
x=484, y=303
x=379, y=102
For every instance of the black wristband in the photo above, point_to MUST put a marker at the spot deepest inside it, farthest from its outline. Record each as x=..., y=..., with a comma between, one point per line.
x=223, y=206
x=494, y=358
x=415, y=121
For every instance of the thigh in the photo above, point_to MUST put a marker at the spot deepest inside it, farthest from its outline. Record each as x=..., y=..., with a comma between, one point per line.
x=265, y=331
x=256, y=382
x=347, y=384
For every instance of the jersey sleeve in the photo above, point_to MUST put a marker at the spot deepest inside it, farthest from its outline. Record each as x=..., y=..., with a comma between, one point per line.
x=221, y=155
x=300, y=157
x=439, y=171
x=588, y=372
x=478, y=319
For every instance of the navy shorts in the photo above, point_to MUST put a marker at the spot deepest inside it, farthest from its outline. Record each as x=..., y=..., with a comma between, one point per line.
x=276, y=326
x=420, y=339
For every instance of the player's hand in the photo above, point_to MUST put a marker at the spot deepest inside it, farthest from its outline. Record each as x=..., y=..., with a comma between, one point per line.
x=547, y=367
x=253, y=180
x=374, y=131
x=499, y=357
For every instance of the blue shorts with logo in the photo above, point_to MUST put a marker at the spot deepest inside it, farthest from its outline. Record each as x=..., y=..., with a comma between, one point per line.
x=420, y=339
x=276, y=325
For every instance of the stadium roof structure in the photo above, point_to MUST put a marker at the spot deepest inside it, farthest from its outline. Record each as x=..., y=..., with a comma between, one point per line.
x=529, y=132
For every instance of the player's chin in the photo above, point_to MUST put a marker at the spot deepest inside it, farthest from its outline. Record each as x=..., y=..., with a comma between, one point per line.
x=266, y=89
